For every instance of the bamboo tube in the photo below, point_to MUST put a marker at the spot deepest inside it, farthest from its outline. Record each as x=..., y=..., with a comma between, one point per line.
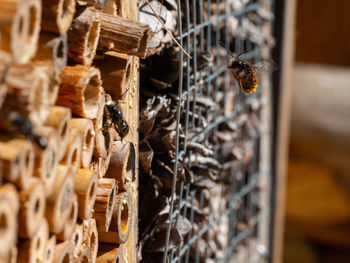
x=123, y=35
x=115, y=73
x=77, y=238
x=108, y=253
x=63, y=252
x=87, y=128
x=53, y=48
x=28, y=89
x=105, y=201
x=17, y=157
x=122, y=164
x=85, y=187
x=83, y=36
x=5, y=60
x=73, y=153
x=20, y=26
x=69, y=226
x=33, y=250
x=85, y=255
x=91, y=237
x=59, y=118
x=46, y=160
x=57, y=16
x=80, y=90
x=50, y=250
x=120, y=226
x=59, y=202
x=9, y=204
x=32, y=207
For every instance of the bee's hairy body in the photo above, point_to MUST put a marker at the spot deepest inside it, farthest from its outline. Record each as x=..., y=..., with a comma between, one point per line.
x=244, y=74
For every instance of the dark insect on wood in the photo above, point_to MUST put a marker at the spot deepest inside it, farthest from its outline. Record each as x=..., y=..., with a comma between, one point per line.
x=24, y=126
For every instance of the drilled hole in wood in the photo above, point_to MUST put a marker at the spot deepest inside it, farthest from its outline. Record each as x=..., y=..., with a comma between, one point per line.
x=33, y=16
x=124, y=217
x=3, y=223
x=91, y=92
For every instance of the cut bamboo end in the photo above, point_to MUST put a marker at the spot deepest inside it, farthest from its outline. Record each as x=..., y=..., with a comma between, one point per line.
x=70, y=224
x=122, y=164
x=123, y=35
x=91, y=237
x=28, y=89
x=77, y=238
x=46, y=160
x=104, y=204
x=83, y=36
x=9, y=203
x=17, y=157
x=33, y=250
x=115, y=73
x=54, y=48
x=32, y=207
x=85, y=255
x=108, y=253
x=59, y=118
x=5, y=60
x=120, y=226
x=62, y=11
x=20, y=21
x=80, y=90
x=72, y=157
x=50, y=250
x=58, y=204
x=87, y=129
x=86, y=188
x=63, y=252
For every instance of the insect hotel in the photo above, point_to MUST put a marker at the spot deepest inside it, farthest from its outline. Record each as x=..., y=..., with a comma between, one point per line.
x=125, y=136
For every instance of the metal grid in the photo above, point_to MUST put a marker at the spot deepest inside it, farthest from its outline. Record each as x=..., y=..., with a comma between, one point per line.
x=248, y=222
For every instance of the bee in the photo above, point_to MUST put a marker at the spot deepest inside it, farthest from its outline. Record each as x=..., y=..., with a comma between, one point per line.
x=24, y=126
x=246, y=74
x=114, y=116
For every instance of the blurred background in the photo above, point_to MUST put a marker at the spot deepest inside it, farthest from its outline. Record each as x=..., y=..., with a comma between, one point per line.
x=317, y=218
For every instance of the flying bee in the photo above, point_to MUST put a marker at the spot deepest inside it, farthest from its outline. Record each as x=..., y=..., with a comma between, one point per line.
x=114, y=116
x=24, y=126
x=246, y=74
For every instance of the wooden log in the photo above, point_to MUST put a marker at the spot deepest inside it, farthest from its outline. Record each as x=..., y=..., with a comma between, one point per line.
x=32, y=208
x=54, y=48
x=5, y=60
x=108, y=253
x=17, y=157
x=63, y=252
x=77, y=238
x=91, y=237
x=86, y=127
x=33, y=250
x=9, y=205
x=50, y=249
x=85, y=255
x=115, y=73
x=20, y=27
x=69, y=226
x=46, y=160
x=80, y=90
x=105, y=201
x=86, y=187
x=72, y=157
x=58, y=204
x=120, y=226
x=83, y=36
x=122, y=164
x=28, y=89
x=59, y=118
x=123, y=35
x=57, y=15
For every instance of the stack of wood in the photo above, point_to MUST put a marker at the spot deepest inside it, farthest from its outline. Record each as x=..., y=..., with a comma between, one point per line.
x=68, y=174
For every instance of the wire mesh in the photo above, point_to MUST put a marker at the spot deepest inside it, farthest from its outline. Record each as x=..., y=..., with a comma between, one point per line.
x=236, y=210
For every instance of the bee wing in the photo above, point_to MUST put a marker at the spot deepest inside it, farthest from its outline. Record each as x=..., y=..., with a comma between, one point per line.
x=265, y=66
